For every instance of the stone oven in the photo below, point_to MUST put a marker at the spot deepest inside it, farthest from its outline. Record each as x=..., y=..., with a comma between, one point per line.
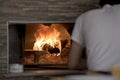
x=39, y=44
x=16, y=13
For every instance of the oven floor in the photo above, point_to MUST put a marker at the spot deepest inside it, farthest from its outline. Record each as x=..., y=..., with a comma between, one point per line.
x=50, y=70
x=55, y=72
x=45, y=67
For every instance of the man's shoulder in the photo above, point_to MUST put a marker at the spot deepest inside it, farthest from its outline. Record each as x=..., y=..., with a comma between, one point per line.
x=91, y=14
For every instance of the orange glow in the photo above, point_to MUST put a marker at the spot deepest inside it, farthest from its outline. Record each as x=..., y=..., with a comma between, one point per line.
x=47, y=35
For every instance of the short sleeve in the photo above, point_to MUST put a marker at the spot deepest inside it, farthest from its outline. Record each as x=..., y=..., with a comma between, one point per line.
x=77, y=33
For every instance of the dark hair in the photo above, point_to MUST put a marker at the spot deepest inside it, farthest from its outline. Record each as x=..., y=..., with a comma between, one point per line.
x=111, y=2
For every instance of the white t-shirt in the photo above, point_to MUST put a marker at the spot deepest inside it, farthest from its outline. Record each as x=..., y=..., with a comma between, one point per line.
x=99, y=31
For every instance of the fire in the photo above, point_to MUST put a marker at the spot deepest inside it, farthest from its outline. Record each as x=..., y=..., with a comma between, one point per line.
x=47, y=38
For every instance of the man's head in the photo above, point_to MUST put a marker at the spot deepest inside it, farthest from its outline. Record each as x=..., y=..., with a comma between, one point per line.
x=111, y=2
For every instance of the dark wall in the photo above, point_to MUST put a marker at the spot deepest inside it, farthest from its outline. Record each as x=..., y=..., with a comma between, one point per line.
x=16, y=41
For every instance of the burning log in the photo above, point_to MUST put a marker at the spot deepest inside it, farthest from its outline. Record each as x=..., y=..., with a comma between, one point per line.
x=51, y=49
x=54, y=50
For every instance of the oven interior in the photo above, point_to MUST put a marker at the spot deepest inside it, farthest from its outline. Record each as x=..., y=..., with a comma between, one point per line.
x=39, y=45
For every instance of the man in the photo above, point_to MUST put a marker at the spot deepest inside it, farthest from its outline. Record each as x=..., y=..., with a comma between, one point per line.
x=99, y=32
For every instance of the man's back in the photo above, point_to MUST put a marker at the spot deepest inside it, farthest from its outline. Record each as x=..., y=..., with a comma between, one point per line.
x=101, y=36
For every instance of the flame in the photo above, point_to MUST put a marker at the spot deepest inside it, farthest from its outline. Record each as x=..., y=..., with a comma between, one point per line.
x=47, y=35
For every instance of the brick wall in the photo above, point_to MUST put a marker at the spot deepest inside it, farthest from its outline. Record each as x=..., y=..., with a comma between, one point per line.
x=37, y=10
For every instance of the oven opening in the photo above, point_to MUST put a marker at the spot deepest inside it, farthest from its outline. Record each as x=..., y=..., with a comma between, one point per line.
x=39, y=45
